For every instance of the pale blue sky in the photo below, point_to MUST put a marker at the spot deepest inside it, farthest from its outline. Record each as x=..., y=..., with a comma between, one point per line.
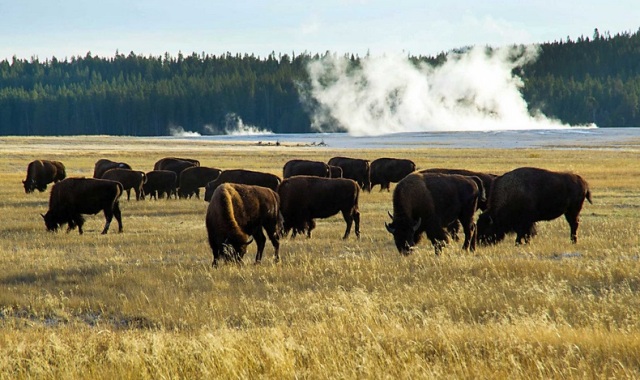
x=46, y=28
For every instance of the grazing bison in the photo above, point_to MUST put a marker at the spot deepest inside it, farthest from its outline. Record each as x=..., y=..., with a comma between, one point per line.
x=73, y=197
x=487, y=180
x=305, y=167
x=524, y=196
x=164, y=163
x=304, y=198
x=336, y=171
x=160, y=182
x=130, y=179
x=426, y=202
x=175, y=165
x=40, y=173
x=355, y=169
x=238, y=212
x=387, y=170
x=245, y=177
x=102, y=165
x=195, y=177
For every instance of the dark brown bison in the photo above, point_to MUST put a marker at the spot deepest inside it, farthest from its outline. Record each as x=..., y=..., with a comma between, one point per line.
x=239, y=212
x=102, y=165
x=386, y=170
x=304, y=198
x=160, y=182
x=40, y=173
x=486, y=178
x=164, y=163
x=175, y=165
x=130, y=179
x=524, y=196
x=355, y=169
x=193, y=178
x=245, y=177
x=430, y=202
x=73, y=197
x=336, y=171
x=305, y=167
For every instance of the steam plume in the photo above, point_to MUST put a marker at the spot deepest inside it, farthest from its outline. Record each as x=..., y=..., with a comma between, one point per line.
x=475, y=90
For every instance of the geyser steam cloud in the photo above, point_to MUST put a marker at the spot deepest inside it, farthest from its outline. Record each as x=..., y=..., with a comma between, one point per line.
x=475, y=90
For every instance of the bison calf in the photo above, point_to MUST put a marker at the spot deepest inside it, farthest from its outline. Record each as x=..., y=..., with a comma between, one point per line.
x=73, y=197
x=305, y=198
x=524, y=196
x=238, y=212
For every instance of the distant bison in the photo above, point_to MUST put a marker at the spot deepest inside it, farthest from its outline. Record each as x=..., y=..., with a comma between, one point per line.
x=356, y=169
x=524, y=196
x=130, y=179
x=195, y=177
x=73, y=197
x=160, y=182
x=336, y=171
x=238, y=212
x=425, y=202
x=385, y=170
x=241, y=176
x=164, y=163
x=40, y=173
x=304, y=198
x=102, y=165
x=305, y=167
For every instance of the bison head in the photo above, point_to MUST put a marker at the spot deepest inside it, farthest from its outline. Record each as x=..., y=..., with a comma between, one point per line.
x=488, y=231
x=404, y=232
x=50, y=221
x=29, y=185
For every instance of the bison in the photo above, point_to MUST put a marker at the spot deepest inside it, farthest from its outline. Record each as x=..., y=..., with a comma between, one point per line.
x=73, y=197
x=246, y=177
x=429, y=202
x=40, y=173
x=102, y=165
x=238, y=212
x=305, y=167
x=386, y=170
x=336, y=171
x=304, y=198
x=356, y=169
x=524, y=196
x=486, y=178
x=130, y=179
x=160, y=182
x=195, y=177
x=164, y=163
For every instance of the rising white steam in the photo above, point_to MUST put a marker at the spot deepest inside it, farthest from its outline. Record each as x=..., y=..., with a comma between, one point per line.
x=235, y=127
x=475, y=90
x=178, y=131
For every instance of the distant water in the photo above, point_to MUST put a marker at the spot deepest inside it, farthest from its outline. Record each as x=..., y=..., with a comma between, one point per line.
x=569, y=138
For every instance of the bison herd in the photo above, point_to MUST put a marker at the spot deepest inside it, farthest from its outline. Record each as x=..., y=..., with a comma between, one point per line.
x=245, y=204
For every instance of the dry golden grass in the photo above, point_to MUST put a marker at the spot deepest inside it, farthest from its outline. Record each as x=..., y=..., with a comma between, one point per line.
x=147, y=304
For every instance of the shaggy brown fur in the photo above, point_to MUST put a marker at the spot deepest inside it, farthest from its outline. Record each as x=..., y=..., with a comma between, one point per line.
x=305, y=167
x=356, y=169
x=102, y=165
x=430, y=202
x=384, y=171
x=238, y=212
x=245, y=177
x=305, y=198
x=40, y=173
x=160, y=182
x=193, y=178
x=130, y=179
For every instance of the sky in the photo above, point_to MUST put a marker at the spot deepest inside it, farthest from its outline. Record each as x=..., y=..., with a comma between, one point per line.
x=65, y=28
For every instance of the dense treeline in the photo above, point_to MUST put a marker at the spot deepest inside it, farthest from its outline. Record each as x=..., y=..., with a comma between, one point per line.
x=588, y=80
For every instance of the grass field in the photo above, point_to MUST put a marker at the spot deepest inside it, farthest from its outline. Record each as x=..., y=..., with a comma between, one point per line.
x=147, y=304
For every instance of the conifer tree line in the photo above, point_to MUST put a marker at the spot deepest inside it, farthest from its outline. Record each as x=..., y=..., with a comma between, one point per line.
x=592, y=79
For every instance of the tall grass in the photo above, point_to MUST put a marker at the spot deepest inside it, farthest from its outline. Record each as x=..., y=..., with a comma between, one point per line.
x=147, y=304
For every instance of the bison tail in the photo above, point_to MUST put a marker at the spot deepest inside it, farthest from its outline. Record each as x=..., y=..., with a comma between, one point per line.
x=588, y=196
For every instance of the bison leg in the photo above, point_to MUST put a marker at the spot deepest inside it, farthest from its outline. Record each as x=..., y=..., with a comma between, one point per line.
x=350, y=216
x=573, y=219
x=469, y=236
x=260, y=242
x=310, y=225
x=356, y=218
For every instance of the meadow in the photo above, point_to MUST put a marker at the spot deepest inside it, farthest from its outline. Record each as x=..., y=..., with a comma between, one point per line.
x=146, y=303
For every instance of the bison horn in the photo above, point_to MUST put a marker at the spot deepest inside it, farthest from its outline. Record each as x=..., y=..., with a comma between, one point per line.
x=249, y=241
x=390, y=216
x=42, y=215
x=389, y=228
x=417, y=225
